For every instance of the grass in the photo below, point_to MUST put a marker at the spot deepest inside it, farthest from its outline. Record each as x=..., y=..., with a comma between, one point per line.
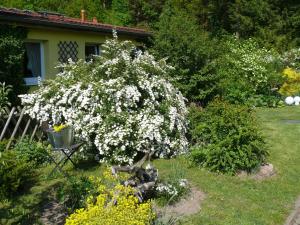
x=232, y=200
x=229, y=200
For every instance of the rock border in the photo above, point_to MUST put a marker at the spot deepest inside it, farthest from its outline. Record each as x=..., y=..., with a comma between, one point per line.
x=264, y=172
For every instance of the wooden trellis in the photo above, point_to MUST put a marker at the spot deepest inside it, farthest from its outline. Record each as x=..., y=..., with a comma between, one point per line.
x=15, y=125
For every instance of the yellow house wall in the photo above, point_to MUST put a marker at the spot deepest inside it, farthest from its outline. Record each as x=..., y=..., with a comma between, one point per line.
x=51, y=38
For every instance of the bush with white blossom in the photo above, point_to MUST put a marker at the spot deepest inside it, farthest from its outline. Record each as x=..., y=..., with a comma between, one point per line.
x=121, y=102
x=249, y=74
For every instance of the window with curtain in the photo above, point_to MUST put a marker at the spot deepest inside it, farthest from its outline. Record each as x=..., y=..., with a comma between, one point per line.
x=32, y=60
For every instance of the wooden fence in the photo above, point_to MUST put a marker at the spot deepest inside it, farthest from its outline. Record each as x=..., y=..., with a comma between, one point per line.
x=15, y=125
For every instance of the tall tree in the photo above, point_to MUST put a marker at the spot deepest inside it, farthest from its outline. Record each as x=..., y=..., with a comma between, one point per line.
x=189, y=49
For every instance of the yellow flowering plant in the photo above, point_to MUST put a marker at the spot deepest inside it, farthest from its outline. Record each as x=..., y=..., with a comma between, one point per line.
x=114, y=204
x=292, y=84
x=60, y=127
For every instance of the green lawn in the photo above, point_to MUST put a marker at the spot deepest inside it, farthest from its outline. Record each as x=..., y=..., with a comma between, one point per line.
x=236, y=201
x=229, y=200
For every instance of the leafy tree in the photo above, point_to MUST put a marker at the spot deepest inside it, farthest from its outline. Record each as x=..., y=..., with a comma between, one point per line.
x=119, y=13
x=145, y=12
x=271, y=23
x=189, y=49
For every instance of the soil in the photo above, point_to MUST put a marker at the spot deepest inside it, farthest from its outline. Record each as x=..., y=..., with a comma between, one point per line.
x=185, y=207
x=53, y=213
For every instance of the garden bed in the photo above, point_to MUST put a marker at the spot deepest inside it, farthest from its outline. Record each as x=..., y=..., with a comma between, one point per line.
x=229, y=199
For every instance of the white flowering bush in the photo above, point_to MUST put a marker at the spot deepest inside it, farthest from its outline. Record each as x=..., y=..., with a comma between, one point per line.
x=249, y=74
x=291, y=58
x=256, y=65
x=121, y=102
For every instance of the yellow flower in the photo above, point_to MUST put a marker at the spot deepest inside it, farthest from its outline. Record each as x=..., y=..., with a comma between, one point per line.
x=103, y=210
x=292, y=84
x=58, y=128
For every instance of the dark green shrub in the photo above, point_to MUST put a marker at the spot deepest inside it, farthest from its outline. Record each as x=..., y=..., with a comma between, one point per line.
x=226, y=138
x=15, y=174
x=11, y=59
x=32, y=151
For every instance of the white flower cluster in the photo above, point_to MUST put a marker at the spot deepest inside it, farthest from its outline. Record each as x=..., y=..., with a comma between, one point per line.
x=183, y=183
x=168, y=189
x=121, y=103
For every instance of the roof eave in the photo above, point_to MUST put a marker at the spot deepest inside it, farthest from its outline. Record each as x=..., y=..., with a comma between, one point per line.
x=83, y=27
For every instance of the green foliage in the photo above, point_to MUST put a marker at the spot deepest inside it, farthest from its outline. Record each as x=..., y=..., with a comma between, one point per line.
x=226, y=138
x=119, y=11
x=15, y=173
x=11, y=59
x=32, y=152
x=271, y=23
x=4, y=101
x=189, y=49
x=249, y=74
x=145, y=12
x=173, y=187
x=3, y=144
x=254, y=18
x=74, y=192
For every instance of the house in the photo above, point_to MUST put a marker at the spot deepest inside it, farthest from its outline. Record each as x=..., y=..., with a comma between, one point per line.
x=54, y=38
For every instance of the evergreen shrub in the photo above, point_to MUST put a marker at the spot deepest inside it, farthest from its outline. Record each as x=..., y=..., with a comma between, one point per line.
x=226, y=138
x=15, y=174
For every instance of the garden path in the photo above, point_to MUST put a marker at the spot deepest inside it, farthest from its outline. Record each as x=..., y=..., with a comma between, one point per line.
x=294, y=218
x=53, y=213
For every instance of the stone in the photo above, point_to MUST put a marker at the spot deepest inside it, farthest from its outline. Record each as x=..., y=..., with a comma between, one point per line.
x=289, y=100
x=265, y=171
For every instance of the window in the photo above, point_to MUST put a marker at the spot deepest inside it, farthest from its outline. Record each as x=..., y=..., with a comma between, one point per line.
x=33, y=62
x=90, y=50
x=67, y=50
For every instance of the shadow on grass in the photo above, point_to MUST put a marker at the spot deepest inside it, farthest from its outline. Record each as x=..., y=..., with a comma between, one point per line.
x=26, y=208
x=86, y=165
